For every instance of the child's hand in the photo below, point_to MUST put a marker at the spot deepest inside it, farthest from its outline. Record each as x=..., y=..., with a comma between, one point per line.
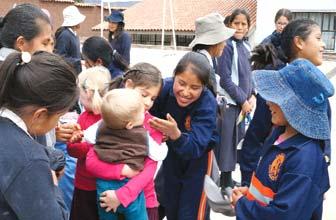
x=253, y=101
x=168, y=127
x=64, y=131
x=246, y=107
x=242, y=189
x=76, y=136
x=128, y=172
x=59, y=173
x=236, y=195
x=109, y=201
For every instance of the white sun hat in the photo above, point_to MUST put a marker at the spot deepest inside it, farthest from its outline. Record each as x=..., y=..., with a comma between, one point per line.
x=72, y=16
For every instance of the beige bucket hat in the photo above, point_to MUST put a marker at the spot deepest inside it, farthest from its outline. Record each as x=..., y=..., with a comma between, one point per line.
x=210, y=30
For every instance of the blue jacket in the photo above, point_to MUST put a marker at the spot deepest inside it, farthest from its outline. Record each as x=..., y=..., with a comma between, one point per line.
x=275, y=40
x=185, y=166
x=240, y=93
x=197, y=139
x=27, y=190
x=122, y=44
x=68, y=46
x=289, y=182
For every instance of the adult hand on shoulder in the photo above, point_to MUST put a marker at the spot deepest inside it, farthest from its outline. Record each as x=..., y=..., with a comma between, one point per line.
x=168, y=127
x=128, y=172
x=109, y=201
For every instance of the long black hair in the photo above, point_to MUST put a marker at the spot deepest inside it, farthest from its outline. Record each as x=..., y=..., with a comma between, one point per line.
x=95, y=48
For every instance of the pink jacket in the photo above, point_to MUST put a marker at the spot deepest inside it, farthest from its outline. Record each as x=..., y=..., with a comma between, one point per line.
x=129, y=192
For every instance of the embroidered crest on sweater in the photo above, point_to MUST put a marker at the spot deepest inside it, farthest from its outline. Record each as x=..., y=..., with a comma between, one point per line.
x=274, y=168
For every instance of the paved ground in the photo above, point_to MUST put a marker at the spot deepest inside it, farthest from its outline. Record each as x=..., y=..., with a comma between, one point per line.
x=166, y=62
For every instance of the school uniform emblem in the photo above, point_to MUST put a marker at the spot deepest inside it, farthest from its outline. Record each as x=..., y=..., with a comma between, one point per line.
x=187, y=123
x=274, y=168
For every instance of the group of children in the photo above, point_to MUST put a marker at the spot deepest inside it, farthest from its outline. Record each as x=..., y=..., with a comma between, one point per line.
x=133, y=121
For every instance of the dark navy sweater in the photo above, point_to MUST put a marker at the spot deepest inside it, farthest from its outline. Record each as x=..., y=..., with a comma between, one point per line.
x=68, y=46
x=27, y=191
x=122, y=44
x=291, y=177
x=239, y=93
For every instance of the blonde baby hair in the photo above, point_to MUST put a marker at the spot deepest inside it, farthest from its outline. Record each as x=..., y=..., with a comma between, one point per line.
x=95, y=79
x=121, y=106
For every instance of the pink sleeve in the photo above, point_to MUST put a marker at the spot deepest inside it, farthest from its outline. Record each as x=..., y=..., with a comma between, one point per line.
x=129, y=192
x=78, y=150
x=101, y=169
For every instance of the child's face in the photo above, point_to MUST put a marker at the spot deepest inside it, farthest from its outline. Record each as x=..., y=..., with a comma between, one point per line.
x=43, y=122
x=280, y=24
x=113, y=26
x=218, y=49
x=44, y=41
x=312, y=48
x=148, y=94
x=139, y=118
x=85, y=99
x=187, y=88
x=240, y=24
x=278, y=118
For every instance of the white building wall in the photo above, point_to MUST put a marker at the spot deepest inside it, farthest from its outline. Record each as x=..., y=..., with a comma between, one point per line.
x=266, y=10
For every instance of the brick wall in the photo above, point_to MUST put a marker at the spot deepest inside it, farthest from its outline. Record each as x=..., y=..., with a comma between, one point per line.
x=92, y=14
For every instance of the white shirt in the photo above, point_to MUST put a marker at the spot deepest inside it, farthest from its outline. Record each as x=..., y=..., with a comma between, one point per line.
x=6, y=113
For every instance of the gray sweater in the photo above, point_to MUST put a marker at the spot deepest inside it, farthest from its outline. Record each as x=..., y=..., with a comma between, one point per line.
x=27, y=191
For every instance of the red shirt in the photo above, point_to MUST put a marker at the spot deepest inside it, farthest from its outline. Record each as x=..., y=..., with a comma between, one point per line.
x=83, y=179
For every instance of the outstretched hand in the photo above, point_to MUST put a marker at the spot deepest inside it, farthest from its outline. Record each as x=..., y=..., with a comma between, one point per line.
x=168, y=127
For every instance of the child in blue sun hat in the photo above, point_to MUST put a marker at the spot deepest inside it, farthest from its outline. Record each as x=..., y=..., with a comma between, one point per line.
x=292, y=174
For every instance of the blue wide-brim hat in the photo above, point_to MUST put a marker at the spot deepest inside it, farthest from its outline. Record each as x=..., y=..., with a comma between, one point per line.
x=115, y=17
x=302, y=91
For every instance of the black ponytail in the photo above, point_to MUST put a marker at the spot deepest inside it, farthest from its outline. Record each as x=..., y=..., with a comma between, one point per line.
x=8, y=71
x=45, y=81
x=264, y=56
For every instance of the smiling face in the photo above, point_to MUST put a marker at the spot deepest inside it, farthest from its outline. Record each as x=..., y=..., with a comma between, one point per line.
x=240, y=23
x=187, y=88
x=312, y=47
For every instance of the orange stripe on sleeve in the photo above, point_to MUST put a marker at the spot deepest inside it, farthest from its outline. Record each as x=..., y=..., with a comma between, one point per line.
x=264, y=190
